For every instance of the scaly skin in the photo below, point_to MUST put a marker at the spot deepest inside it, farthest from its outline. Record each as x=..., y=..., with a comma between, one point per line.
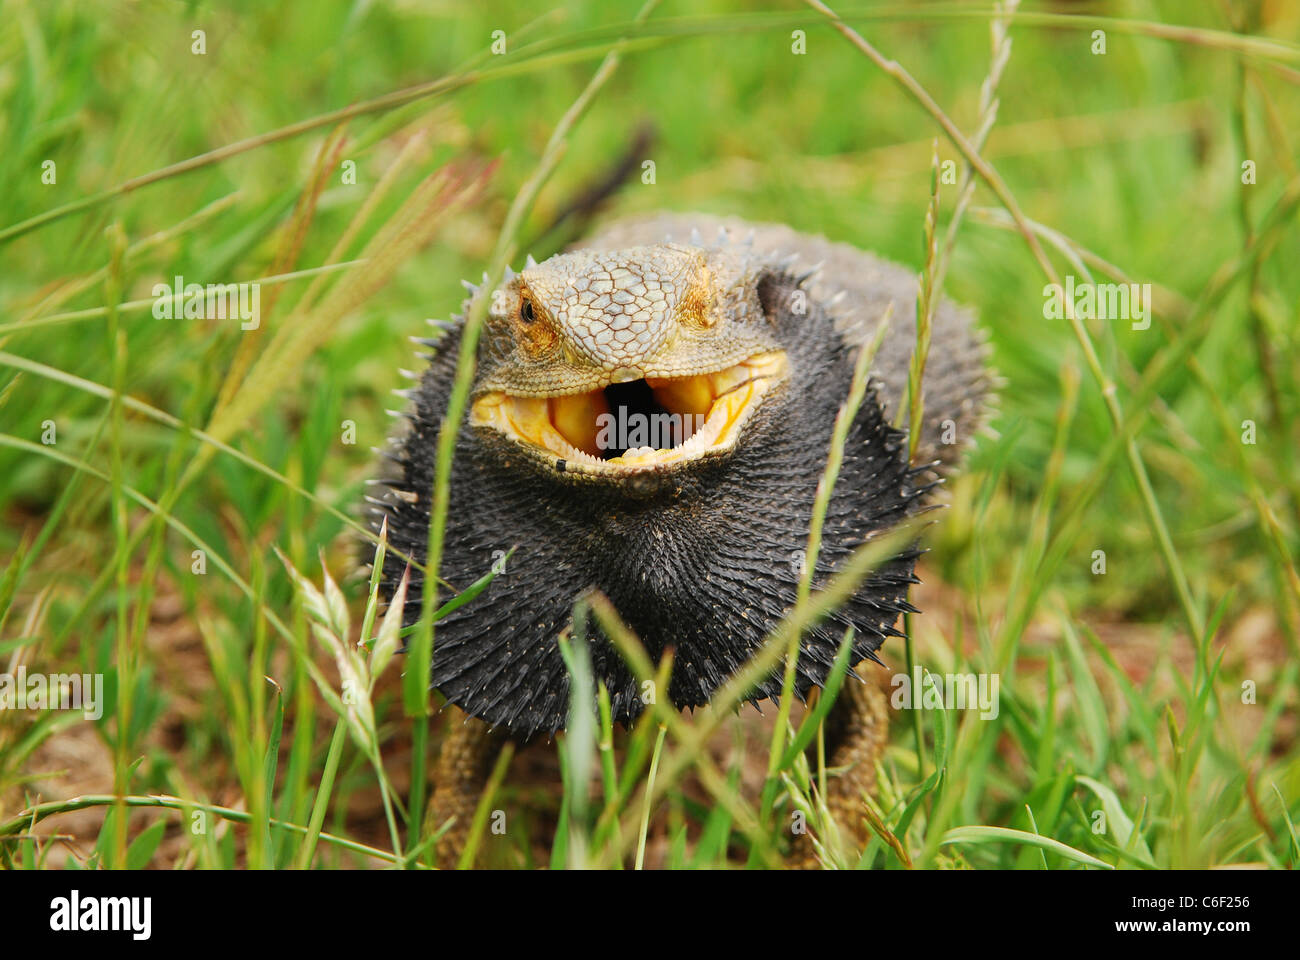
x=857, y=730
x=465, y=761
x=692, y=541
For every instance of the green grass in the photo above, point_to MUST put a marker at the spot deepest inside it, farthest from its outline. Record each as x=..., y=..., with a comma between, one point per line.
x=1122, y=737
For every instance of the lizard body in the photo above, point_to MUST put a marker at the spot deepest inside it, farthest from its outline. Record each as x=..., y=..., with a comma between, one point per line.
x=696, y=539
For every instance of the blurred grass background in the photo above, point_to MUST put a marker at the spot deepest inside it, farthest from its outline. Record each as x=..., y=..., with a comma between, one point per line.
x=1134, y=155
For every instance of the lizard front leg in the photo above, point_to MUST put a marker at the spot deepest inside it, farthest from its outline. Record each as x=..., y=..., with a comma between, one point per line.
x=857, y=730
x=464, y=764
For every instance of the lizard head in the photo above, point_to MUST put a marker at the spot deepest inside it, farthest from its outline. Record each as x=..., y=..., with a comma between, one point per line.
x=613, y=364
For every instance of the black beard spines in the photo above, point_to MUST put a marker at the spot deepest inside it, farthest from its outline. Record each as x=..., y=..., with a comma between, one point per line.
x=708, y=566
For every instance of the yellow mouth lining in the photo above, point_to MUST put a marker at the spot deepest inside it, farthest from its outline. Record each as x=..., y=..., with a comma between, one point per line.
x=697, y=415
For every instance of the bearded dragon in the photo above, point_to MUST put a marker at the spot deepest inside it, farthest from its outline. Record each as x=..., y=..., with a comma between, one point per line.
x=742, y=345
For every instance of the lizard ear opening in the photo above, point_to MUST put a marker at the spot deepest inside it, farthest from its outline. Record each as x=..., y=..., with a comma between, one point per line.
x=781, y=297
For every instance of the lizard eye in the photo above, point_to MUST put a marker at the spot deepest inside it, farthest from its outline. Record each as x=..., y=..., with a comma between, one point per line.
x=526, y=313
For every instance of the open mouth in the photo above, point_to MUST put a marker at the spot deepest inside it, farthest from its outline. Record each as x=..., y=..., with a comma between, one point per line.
x=642, y=424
